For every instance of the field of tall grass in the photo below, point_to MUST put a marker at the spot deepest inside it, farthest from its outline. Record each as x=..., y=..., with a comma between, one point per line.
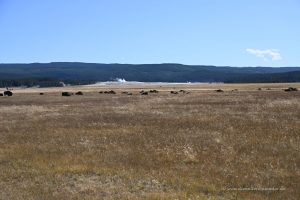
x=242, y=144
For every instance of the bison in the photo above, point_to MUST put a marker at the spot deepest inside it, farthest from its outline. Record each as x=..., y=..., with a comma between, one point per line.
x=219, y=90
x=79, y=93
x=110, y=92
x=66, y=94
x=291, y=89
x=8, y=93
x=153, y=91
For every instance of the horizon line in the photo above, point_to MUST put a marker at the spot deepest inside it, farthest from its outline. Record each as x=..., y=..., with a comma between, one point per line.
x=165, y=63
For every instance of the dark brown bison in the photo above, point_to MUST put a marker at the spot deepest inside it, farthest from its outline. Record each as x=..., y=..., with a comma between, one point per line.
x=79, y=93
x=41, y=93
x=291, y=89
x=111, y=92
x=8, y=93
x=153, y=91
x=66, y=94
x=1, y=95
x=219, y=90
x=144, y=93
x=184, y=91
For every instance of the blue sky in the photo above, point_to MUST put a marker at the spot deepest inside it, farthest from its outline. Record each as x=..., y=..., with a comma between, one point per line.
x=208, y=32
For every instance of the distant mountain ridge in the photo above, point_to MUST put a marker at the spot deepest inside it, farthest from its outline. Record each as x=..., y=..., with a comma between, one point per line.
x=50, y=74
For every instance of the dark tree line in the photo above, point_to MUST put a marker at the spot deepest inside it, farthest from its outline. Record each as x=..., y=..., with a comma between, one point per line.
x=41, y=82
x=52, y=74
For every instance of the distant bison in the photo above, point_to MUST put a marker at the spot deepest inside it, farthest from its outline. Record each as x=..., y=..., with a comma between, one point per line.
x=174, y=92
x=66, y=94
x=8, y=93
x=1, y=95
x=79, y=93
x=184, y=92
x=41, y=93
x=291, y=89
x=110, y=92
x=153, y=91
x=219, y=90
x=144, y=93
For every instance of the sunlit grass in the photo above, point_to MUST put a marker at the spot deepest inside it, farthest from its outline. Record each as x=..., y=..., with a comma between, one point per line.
x=160, y=146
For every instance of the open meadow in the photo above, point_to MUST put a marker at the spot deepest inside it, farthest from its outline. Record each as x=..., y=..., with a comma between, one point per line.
x=242, y=143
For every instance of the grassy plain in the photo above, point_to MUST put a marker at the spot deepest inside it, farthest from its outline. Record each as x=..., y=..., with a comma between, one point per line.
x=201, y=145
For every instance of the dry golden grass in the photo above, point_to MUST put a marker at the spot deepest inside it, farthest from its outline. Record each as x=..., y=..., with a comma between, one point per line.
x=161, y=146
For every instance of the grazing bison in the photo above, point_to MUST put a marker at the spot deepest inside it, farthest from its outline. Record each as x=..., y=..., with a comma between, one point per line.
x=153, y=91
x=1, y=95
x=41, y=93
x=174, y=92
x=66, y=94
x=144, y=93
x=101, y=92
x=79, y=93
x=291, y=89
x=8, y=93
x=219, y=90
x=184, y=92
x=110, y=92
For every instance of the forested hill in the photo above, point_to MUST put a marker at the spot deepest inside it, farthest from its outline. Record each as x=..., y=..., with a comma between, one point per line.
x=50, y=74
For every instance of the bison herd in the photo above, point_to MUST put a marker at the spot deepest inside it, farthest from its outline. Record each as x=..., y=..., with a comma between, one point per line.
x=142, y=92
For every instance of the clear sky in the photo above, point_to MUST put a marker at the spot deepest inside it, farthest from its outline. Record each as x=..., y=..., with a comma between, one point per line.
x=208, y=32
